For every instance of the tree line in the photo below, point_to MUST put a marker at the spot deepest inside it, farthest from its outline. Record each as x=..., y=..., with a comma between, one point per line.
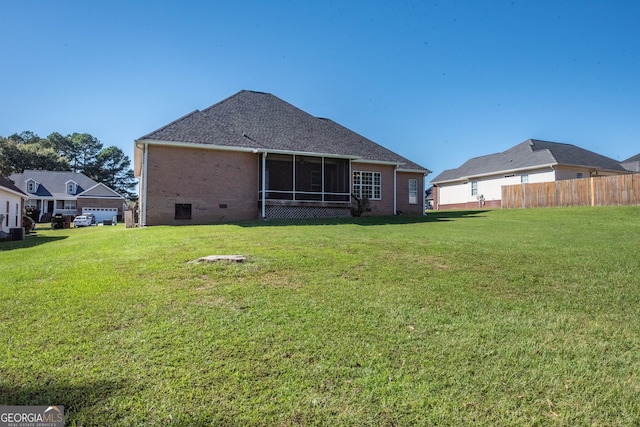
x=77, y=152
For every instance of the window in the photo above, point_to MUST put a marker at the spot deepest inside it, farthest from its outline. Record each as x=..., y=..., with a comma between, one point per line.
x=31, y=187
x=367, y=185
x=65, y=204
x=183, y=211
x=579, y=175
x=71, y=188
x=524, y=178
x=413, y=191
x=7, y=215
x=474, y=188
x=17, y=213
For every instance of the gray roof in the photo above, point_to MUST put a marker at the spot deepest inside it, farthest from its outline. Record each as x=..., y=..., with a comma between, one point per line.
x=53, y=184
x=530, y=154
x=261, y=121
x=632, y=163
x=9, y=185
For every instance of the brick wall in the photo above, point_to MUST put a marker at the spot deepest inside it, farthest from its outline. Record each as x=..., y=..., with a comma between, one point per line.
x=385, y=205
x=221, y=186
x=402, y=205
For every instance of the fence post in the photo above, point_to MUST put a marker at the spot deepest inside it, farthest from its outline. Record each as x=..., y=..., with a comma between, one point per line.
x=593, y=195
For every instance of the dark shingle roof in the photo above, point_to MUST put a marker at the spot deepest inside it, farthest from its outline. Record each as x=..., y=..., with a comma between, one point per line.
x=635, y=158
x=9, y=185
x=529, y=154
x=261, y=121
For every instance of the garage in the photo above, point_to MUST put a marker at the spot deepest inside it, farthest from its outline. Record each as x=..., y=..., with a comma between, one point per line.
x=101, y=214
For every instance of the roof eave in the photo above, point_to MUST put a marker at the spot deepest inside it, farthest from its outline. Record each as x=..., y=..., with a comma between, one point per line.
x=480, y=175
x=241, y=149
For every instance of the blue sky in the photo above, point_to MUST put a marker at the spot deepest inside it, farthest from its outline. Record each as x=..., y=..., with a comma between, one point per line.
x=436, y=81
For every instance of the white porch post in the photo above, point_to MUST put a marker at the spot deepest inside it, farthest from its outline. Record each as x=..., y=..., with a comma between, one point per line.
x=264, y=184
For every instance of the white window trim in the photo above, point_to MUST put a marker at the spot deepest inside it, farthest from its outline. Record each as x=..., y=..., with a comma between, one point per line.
x=358, y=185
x=30, y=183
x=413, y=192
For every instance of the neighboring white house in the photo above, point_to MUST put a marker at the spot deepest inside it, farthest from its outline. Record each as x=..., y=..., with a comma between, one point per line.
x=11, y=206
x=478, y=182
x=68, y=193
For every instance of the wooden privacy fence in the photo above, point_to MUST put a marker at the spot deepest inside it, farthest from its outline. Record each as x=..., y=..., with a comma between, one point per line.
x=594, y=191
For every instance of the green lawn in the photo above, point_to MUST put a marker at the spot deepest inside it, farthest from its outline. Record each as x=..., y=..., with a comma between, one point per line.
x=507, y=317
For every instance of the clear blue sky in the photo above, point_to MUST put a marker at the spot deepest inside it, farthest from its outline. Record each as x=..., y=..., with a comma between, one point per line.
x=436, y=81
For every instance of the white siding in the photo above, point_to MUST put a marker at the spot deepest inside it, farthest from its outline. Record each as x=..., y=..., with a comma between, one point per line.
x=489, y=187
x=13, y=220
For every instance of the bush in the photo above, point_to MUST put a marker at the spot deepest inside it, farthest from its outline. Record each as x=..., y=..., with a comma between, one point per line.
x=33, y=213
x=27, y=224
x=362, y=204
x=57, y=222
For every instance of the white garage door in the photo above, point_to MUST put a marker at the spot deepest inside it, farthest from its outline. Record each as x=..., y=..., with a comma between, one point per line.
x=101, y=213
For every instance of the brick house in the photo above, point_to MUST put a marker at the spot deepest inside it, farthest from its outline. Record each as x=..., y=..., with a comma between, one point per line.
x=69, y=194
x=254, y=155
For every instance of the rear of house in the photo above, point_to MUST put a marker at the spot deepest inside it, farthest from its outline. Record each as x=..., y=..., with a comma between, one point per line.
x=255, y=156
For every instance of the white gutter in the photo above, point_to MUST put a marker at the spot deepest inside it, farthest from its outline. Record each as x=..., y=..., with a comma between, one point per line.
x=488, y=174
x=353, y=158
x=244, y=149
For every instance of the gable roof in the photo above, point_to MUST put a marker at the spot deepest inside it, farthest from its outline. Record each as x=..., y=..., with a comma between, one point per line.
x=53, y=184
x=530, y=154
x=263, y=122
x=632, y=163
x=9, y=186
x=100, y=191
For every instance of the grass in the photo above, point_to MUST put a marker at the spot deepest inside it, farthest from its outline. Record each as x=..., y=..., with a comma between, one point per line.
x=507, y=317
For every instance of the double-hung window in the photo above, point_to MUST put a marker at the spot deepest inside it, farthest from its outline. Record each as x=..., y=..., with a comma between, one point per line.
x=474, y=188
x=367, y=185
x=413, y=191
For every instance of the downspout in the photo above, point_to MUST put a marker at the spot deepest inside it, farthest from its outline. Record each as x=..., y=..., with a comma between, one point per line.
x=424, y=195
x=145, y=162
x=264, y=184
x=395, y=190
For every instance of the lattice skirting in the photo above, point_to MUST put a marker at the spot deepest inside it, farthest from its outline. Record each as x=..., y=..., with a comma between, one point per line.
x=292, y=212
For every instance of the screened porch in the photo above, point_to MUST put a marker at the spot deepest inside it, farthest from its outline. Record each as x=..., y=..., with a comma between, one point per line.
x=291, y=177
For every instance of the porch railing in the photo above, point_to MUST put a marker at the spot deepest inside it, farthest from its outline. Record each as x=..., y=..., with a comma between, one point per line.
x=307, y=196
